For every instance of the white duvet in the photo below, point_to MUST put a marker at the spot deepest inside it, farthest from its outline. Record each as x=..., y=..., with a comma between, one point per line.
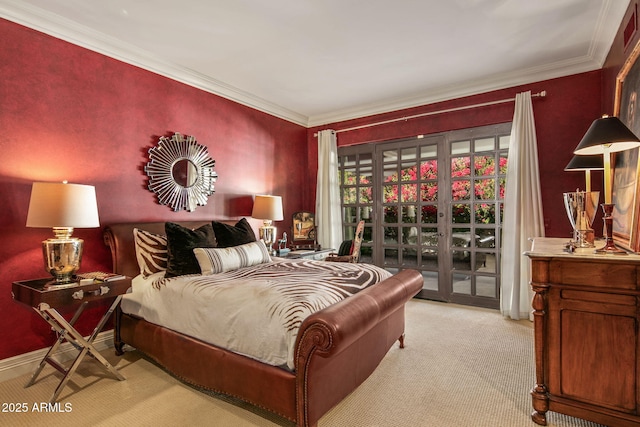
x=254, y=311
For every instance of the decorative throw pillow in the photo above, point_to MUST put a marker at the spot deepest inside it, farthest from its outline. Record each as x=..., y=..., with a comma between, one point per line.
x=233, y=235
x=219, y=260
x=151, y=251
x=180, y=244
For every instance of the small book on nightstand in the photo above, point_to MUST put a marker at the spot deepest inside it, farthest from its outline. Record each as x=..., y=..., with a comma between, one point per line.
x=100, y=276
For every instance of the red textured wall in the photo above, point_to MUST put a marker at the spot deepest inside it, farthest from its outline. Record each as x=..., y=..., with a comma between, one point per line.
x=69, y=113
x=561, y=118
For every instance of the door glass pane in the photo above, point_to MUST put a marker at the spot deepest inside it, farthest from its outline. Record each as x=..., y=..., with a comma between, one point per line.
x=366, y=194
x=348, y=195
x=460, y=167
x=460, y=190
x=390, y=193
x=391, y=173
x=460, y=213
x=430, y=214
x=485, y=189
x=462, y=284
x=485, y=213
x=429, y=192
x=486, y=287
x=409, y=193
x=429, y=169
x=484, y=165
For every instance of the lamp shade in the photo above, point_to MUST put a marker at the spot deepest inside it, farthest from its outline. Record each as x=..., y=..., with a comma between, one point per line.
x=57, y=204
x=585, y=163
x=268, y=207
x=606, y=131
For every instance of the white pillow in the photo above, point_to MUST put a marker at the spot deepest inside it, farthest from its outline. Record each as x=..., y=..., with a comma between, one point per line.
x=219, y=260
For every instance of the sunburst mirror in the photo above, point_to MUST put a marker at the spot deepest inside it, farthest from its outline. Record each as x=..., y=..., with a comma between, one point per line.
x=181, y=172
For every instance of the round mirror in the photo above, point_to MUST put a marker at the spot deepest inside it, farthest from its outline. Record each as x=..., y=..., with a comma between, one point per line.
x=185, y=172
x=181, y=172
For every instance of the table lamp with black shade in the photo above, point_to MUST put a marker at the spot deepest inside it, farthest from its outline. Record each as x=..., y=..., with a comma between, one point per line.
x=605, y=136
x=62, y=207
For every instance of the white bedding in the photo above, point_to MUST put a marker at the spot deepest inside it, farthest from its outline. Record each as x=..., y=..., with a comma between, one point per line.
x=255, y=311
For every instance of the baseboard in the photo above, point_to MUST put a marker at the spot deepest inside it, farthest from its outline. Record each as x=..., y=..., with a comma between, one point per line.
x=16, y=366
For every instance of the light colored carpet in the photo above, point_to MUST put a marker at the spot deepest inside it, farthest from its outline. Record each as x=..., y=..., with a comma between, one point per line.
x=461, y=366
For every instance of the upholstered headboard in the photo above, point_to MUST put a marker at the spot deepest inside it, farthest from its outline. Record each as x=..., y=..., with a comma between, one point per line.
x=119, y=238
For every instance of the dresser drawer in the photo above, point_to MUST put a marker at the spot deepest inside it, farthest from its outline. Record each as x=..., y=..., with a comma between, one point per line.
x=590, y=273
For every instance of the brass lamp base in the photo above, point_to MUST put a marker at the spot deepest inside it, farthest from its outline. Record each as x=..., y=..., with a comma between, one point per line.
x=268, y=235
x=62, y=258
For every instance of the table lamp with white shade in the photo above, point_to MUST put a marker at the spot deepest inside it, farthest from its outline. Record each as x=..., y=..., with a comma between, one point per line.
x=62, y=207
x=268, y=209
x=605, y=136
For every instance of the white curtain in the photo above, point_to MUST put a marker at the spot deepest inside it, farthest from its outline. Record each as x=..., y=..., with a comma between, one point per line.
x=328, y=214
x=523, y=217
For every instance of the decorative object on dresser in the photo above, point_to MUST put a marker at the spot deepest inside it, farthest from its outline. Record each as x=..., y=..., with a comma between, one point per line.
x=46, y=301
x=605, y=136
x=586, y=311
x=63, y=207
x=327, y=354
x=268, y=209
x=581, y=207
x=181, y=172
x=304, y=231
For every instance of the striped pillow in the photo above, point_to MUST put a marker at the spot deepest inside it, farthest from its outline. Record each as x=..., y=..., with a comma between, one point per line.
x=151, y=251
x=219, y=260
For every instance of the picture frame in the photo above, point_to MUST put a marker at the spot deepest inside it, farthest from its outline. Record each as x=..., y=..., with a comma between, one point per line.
x=626, y=164
x=303, y=230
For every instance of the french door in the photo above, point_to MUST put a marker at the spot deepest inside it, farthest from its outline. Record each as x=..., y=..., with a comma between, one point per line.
x=453, y=235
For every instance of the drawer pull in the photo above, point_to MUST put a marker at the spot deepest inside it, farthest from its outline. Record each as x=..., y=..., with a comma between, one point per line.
x=80, y=294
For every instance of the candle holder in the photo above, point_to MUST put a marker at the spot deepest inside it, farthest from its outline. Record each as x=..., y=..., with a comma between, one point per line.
x=609, y=247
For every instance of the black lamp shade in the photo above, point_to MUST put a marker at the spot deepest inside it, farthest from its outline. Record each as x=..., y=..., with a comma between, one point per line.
x=605, y=131
x=585, y=163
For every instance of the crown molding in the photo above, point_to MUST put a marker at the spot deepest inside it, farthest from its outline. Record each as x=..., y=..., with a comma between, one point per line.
x=67, y=30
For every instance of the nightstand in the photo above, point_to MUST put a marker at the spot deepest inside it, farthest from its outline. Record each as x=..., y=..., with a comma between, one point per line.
x=309, y=254
x=46, y=300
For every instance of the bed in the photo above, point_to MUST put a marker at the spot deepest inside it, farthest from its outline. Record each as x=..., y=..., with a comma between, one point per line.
x=335, y=348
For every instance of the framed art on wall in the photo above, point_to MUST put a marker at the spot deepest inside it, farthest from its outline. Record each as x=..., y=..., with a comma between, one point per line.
x=626, y=163
x=304, y=230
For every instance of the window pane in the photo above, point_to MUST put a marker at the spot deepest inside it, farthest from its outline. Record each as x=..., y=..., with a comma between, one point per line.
x=503, y=164
x=366, y=194
x=504, y=141
x=429, y=152
x=409, y=153
x=460, y=147
x=485, y=144
x=390, y=173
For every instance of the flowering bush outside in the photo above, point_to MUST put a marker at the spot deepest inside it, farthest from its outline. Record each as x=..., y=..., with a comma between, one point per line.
x=404, y=189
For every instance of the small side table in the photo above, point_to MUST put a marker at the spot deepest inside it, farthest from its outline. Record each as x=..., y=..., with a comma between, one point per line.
x=46, y=300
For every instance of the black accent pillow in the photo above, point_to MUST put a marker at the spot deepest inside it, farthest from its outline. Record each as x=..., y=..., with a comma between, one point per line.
x=233, y=235
x=180, y=244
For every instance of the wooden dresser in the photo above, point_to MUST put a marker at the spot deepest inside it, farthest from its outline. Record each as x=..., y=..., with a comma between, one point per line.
x=586, y=310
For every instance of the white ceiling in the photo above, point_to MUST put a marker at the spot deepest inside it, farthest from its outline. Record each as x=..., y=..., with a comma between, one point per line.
x=315, y=62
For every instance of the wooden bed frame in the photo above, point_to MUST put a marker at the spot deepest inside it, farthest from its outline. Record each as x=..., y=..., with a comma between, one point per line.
x=336, y=350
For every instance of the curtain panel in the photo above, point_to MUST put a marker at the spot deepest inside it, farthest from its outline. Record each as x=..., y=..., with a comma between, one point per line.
x=328, y=211
x=523, y=217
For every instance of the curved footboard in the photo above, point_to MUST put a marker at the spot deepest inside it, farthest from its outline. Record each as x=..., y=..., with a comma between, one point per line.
x=340, y=346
